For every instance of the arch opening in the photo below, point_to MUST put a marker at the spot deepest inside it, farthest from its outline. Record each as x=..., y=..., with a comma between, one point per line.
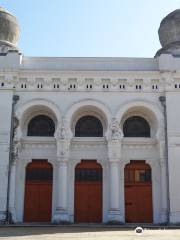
x=136, y=126
x=41, y=126
x=88, y=126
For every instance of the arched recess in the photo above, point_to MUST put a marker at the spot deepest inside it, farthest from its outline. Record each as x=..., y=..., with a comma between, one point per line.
x=88, y=192
x=88, y=108
x=147, y=110
x=41, y=126
x=34, y=108
x=88, y=126
x=38, y=191
x=138, y=192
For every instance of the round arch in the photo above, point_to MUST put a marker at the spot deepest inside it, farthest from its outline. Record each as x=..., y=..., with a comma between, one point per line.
x=147, y=110
x=36, y=107
x=90, y=108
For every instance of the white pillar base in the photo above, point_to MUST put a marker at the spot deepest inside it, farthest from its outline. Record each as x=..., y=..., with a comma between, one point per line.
x=175, y=217
x=164, y=216
x=61, y=216
x=2, y=217
x=115, y=217
x=13, y=218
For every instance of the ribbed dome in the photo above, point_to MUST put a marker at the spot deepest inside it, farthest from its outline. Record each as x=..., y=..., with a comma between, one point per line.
x=9, y=28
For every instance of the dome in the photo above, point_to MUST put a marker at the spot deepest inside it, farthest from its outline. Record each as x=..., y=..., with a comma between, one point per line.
x=169, y=30
x=9, y=28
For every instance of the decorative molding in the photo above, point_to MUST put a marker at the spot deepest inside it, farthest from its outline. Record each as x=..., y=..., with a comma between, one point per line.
x=128, y=81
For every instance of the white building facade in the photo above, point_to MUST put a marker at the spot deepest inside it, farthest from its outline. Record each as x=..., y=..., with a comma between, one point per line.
x=89, y=139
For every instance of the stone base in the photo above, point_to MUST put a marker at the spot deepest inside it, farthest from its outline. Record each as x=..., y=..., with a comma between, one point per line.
x=175, y=217
x=12, y=216
x=2, y=217
x=164, y=216
x=114, y=217
x=172, y=48
x=61, y=217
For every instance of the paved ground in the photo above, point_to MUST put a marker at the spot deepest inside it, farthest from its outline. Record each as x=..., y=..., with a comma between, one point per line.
x=84, y=233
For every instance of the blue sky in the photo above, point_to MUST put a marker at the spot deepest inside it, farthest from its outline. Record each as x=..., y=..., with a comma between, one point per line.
x=90, y=28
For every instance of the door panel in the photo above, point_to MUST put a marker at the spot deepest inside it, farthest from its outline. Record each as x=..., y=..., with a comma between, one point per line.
x=138, y=193
x=88, y=193
x=45, y=202
x=31, y=202
x=38, y=192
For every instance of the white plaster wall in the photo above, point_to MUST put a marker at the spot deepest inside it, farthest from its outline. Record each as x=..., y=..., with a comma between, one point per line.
x=173, y=110
x=88, y=149
x=5, y=123
x=111, y=102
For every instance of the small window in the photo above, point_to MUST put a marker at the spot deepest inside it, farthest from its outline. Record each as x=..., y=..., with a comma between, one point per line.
x=136, y=127
x=137, y=175
x=39, y=174
x=87, y=174
x=41, y=126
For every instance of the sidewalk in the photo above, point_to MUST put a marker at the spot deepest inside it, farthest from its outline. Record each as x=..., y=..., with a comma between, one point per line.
x=29, y=232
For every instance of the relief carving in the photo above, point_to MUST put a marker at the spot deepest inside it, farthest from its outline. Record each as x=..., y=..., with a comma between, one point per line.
x=62, y=140
x=115, y=131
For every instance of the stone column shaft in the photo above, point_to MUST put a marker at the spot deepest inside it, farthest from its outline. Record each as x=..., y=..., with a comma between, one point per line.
x=114, y=151
x=163, y=180
x=114, y=186
x=12, y=192
x=62, y=186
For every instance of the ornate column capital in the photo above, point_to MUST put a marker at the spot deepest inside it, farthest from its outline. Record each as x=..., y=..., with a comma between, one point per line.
x=115, y=132
x=61, y=130
x=62, y=141
x=114, y=141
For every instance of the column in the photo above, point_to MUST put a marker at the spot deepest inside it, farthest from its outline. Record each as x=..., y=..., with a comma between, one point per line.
x=12, y=187
x=61, y=214
x=114, y=215
x=114, y=185
x=62, y=186
x=162, y=153
x=163, y=181
x=12, y=210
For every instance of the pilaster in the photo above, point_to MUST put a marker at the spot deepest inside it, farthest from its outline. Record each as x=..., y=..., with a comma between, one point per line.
x=114, y=154
x=61, y=213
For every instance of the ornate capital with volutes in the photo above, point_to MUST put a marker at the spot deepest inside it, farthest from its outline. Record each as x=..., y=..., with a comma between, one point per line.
x=115, y=130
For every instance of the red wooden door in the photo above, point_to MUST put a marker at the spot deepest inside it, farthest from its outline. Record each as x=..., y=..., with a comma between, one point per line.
x=138, y=192
x=38, y=192
x=88, y=192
